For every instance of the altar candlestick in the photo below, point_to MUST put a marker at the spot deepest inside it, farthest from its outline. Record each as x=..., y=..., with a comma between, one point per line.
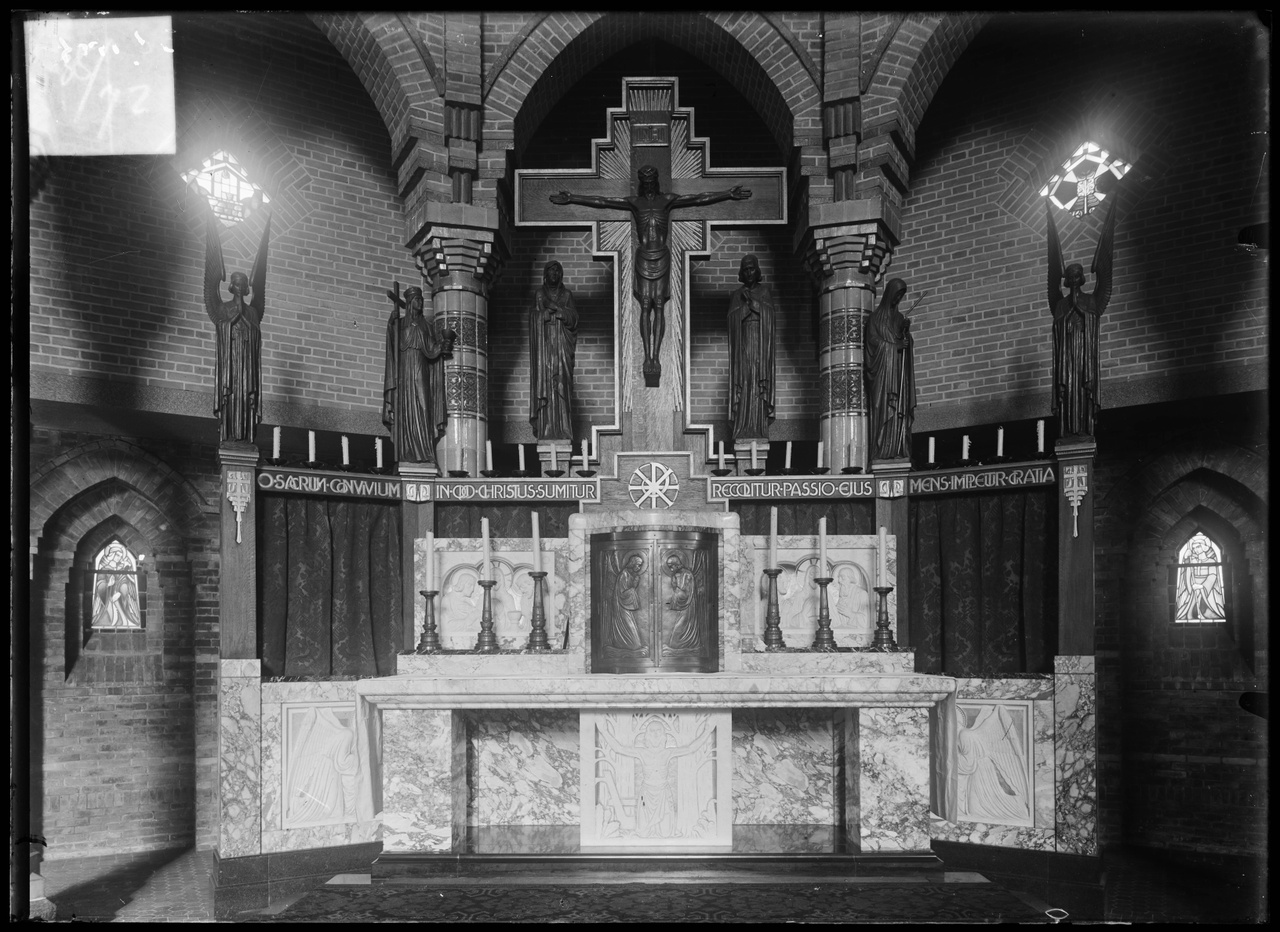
x=377, y=449
x=722, y=454
x=787, y=464
x=346, y=451
x=1039, y=436
x=822, y=547
x=773, y=537
x=819, y=454
x=753, y=454
x=275, y=443
x=882, y=562
x=520, y=448
x=488, y=455
x=999, y=441
x=930, y=450
x=431, y=561
x=554, y=467
x=537, y=546
x=584, y=456
x=485, y=568
x=311, y=446
x=964, y=453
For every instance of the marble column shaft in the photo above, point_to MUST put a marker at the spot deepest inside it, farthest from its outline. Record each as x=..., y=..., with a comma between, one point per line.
x=1075, y=752
x=239, y=758
x=424, y=779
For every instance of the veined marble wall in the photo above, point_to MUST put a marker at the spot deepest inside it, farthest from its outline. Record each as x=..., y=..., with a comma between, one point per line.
x=1076, y=755
x=784, y=767
x=239, y=758
x=523, y=767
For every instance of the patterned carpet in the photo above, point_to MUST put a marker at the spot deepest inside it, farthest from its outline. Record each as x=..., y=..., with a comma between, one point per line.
x=641, y=902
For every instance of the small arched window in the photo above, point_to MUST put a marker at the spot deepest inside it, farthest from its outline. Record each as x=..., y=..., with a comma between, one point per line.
x=230, y=191
x=1200, y=585
x=117, y=598
x=1087, y=176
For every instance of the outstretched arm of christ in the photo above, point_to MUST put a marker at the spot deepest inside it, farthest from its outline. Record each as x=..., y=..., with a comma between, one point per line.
x=590, y=200
x=736, y=193
x=615, y=745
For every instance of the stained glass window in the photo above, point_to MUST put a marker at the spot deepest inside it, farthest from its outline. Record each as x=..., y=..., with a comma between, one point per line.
x=116, y=603
x=227, y=186
x=1087, y=177
x=1200, y=590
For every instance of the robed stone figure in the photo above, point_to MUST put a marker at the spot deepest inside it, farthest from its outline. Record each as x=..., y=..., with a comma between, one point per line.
x=413, y=394
x=553, y=340
x=1076, y=317
x=238, y=325
x=752, y=325
x=890, y=376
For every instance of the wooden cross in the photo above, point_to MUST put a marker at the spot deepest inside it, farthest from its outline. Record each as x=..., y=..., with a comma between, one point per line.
x=650, y=130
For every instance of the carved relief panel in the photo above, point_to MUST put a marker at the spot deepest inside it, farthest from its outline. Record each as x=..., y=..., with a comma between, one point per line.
x=994, y=761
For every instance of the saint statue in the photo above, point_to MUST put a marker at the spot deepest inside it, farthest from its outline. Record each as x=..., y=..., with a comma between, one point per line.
x=413, y=380
x=553, y=338
x=1076, y=317
x=890, y=375
x=238, y=324
x=651, y=286
x=752, y=338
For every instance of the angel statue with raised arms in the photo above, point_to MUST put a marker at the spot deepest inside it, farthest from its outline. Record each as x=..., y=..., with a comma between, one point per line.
x=1076, y=317
x=238, y=324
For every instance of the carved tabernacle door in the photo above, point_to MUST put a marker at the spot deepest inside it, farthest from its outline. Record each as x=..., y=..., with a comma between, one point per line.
x=654, y=601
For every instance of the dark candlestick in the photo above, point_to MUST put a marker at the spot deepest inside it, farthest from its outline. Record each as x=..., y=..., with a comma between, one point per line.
x=538, y=635
x=823, y=639
x=429, y=643
x=772, y=620
x=487, y=642
x=883, y=639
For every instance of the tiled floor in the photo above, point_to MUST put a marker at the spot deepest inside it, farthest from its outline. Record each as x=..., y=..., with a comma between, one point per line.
x=176, y=886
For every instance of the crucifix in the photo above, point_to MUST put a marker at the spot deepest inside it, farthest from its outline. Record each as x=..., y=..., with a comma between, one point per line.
x=653, y=224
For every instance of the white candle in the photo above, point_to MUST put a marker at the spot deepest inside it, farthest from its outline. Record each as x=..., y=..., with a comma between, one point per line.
x=999, y=441
x=537, y=546
x=311, y=446
x=819, y=454
x=964, y=453
x=488, y=455
x=431, y=562
x=346, y=451
x=584, y=456
x=850, y=452
x=787, y=464
x=882, y=564
x=461, y=465
x=1040, y=436
x=486, y=572
x=722, y=454
x=753, y=454
x=377, y=449
x=773, y=537
x=822, y=548
x=930, y=449
x=520, y=447
x=554, y=467
x=275, y=443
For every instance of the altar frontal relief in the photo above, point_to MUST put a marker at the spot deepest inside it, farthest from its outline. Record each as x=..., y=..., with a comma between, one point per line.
x=656, y=779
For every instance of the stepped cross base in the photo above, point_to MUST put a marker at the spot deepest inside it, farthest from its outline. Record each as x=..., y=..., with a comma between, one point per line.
x=824, y=640
x=772, y=618
x=883, y=639
x=487, y=642
x=429, y=643
x=538, y=635
x=652, y=373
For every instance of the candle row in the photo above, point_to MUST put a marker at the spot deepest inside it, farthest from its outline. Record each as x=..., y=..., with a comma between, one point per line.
x=486, y=558
x=882, y=549
x=964, y=443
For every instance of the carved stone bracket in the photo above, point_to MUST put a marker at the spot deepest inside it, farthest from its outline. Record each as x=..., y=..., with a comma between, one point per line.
x=239, y=491
x=1075, y=486
x=468, y=262
x=862, y=248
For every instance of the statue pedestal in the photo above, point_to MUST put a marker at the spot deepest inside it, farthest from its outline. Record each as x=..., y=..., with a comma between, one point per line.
x=742, y=448
x=563, y=455
x=418, y=470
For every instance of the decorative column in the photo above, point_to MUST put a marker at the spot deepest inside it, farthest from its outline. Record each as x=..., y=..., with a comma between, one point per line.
x=459, y=263
x=238, y=552
x=846, y=248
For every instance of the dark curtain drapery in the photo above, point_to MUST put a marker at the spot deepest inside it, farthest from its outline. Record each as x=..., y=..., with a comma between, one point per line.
x=984, y=574
x=329, y=586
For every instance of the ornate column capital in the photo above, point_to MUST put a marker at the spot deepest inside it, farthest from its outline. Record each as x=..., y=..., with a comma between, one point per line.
x=847, y=243
x=456, y=247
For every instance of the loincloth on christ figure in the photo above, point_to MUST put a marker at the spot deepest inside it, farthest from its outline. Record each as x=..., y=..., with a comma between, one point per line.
x=652, y=265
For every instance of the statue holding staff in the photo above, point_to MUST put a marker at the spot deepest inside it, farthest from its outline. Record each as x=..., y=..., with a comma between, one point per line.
x=890, y=374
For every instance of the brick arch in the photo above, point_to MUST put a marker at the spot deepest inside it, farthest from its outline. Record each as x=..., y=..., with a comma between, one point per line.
x=747, y=49
x=907, y=76
x=1236, y=465
x=90, y=516
x=91, y=464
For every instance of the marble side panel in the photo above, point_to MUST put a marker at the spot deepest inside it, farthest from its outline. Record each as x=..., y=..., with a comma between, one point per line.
x=1073, y=663
x=526, y=768
x=418, y=770
x=459, y=603
x=239, y=761
x=943, y=775
x=1043, y=766
x=1036, y=686
x=893, y=779
x=1004, y=836
x=656, y=779
x=848, y=769
x=240, y=667
x=784, y=767
x=1076, y=761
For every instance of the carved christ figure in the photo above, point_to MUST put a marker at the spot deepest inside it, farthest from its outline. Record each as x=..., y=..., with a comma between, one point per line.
x=238, y=324
x=1076, y=318
x=651, y=210
x=656, y=806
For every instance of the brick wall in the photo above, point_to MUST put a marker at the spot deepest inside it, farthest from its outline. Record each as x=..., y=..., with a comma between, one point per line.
x=118, y=245
x=125, y=725
x=973, y=235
